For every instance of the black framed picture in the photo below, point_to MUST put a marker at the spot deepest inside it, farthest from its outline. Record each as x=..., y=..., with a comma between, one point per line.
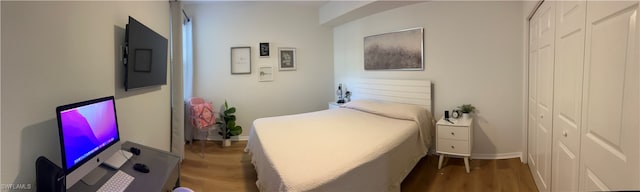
x=287, y=59
x=264, y=49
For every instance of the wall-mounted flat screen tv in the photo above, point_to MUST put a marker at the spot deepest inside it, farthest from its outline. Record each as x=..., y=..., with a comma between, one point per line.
x=145, y=57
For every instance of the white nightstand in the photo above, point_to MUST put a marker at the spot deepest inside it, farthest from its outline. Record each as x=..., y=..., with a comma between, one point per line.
x=454, y=139
x=334, y=105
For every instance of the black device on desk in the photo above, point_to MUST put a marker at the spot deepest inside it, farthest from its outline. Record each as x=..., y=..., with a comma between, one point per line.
x=134, y=150
x=141, y=168
x=49, y=177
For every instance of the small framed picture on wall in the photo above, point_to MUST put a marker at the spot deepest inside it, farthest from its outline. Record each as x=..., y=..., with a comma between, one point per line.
x=266, y=73
x=264, y=49
x=287, y=58
x=240, y=60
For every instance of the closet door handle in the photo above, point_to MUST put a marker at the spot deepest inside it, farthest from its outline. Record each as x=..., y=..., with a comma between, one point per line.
x=453, y=134
x=452, y=147
x=564, y=133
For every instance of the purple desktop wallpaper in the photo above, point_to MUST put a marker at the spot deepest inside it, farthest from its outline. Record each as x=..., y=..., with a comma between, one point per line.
x=86, y=129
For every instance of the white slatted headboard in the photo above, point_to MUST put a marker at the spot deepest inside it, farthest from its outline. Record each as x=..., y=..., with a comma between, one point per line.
x=416, y=92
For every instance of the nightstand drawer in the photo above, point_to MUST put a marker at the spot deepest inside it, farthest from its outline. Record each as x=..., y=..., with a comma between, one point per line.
x=452, y=132
x=453, y=146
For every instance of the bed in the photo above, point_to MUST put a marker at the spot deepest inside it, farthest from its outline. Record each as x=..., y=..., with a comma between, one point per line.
x=370, y=144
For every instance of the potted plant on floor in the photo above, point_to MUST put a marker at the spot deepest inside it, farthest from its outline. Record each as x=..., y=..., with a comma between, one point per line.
x=466, y=109
x=227, y=124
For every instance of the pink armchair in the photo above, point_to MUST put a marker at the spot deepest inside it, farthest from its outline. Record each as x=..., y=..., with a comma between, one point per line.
x=202, y=117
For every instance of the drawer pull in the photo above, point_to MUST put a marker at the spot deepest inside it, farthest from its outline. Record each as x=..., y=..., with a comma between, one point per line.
x=452, y=147
x=453, y=134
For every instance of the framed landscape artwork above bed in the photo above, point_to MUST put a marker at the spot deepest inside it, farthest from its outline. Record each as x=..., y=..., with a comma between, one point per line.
x=401, y=50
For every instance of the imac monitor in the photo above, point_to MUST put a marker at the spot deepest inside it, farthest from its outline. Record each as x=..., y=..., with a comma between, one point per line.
x=88, y=134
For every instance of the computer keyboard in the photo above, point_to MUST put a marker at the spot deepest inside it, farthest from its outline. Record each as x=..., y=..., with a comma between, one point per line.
x=117, y=183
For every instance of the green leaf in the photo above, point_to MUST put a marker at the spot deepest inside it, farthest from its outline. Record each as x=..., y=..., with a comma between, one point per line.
x=467, y=108
x=231, y=124
x=230, y=110
x=236, y=131
x=231, y=118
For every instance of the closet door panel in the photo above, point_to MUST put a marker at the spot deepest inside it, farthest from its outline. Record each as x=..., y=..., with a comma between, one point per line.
x=610, y=158
x=544, y=95
x=534, y=35
x=569, y=54
x=532, y=114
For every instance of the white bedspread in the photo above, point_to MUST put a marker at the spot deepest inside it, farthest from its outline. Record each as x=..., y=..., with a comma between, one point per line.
x=340, y=149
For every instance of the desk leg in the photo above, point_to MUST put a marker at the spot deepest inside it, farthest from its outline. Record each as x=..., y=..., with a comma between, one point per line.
x=440, y=161
x=466, y=163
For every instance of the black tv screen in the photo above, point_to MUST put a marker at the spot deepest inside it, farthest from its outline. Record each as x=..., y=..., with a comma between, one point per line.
x=145, y=57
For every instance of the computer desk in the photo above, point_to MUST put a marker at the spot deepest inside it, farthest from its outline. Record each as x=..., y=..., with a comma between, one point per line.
x=164, y=171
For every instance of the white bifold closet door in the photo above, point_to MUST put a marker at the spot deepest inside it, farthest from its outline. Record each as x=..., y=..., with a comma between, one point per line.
x=532, y=98
x=541, y=134
x=584, y=96
x=610, y=156
x=567, y=94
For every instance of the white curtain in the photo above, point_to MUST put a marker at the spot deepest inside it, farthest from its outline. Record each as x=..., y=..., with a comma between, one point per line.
x=180, y=80
x=187, y=72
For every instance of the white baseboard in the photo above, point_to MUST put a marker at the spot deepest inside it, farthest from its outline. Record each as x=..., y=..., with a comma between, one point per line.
x=497, y=156
x=240, y=138
x=234, y=138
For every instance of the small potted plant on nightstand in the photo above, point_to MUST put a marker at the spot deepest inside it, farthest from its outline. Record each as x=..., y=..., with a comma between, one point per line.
x=466, y=109
x=227, y=124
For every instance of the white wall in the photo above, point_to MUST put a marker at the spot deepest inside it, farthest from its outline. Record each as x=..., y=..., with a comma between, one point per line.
x=218, y=26
x=55, y=53
x=473, y=54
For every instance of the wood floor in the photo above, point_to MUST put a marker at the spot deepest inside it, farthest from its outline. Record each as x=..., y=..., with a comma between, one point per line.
x=230, y=169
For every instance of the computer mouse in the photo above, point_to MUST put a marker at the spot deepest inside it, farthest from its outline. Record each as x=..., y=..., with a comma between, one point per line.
x=134, y=150
x=141, y=168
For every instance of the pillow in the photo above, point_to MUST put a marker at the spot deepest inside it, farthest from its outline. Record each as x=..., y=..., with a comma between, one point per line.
x=421, y=116
x=388, y=109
